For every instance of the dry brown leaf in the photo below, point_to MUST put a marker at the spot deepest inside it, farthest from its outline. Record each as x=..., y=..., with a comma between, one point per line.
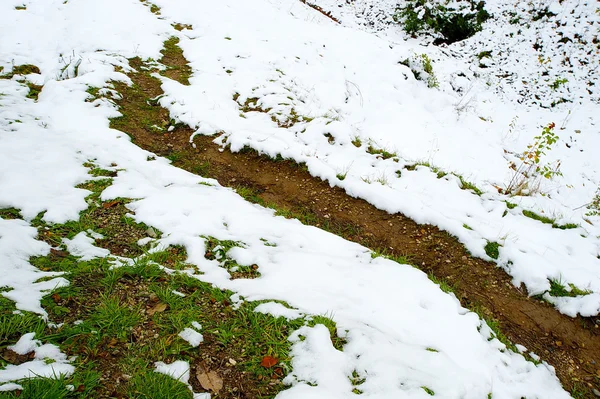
x=58, y=253
x=159, y=307
x=268, y=361
x=209, y=380
x=110, y=204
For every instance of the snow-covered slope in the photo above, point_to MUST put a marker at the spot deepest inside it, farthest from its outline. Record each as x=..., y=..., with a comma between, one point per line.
x=345, y=83
x=318, y=90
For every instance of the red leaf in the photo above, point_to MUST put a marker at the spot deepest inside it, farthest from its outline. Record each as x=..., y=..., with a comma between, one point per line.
x=268, y=361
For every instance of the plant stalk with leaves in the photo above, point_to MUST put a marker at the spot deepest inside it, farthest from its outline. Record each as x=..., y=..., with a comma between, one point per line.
x=531, y=167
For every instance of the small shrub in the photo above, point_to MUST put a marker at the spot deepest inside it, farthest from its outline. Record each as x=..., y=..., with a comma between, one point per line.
x=558, y=82
x=449, y=23
x=422, y=68
x=594, y=206
x=531, y=168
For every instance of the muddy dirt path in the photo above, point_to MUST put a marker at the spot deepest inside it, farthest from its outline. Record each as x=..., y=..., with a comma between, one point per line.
x=571, y=345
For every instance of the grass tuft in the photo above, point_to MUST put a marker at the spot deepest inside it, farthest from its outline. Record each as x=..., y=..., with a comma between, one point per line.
x=492, y=249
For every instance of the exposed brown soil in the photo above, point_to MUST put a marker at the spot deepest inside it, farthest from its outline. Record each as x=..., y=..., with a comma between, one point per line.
x=571, y=345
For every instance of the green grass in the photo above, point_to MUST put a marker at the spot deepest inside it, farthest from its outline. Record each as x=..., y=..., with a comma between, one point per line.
x=114, y=317
x=403, y=260
x=547, y=220
x=467, y=185
x=337, y=341
x=558, y=289
x=492, y=249
x=380, y=151
x=538, y=217
x=484, y=54
x=24, y=69
x=34, y=91
x=218, y=250
x=428, y=390
x=152, y=385
x=41, y=388
x=444, y=286
x=10, y=213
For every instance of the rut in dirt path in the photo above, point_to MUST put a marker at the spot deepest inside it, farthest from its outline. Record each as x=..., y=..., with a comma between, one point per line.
x=571, y=345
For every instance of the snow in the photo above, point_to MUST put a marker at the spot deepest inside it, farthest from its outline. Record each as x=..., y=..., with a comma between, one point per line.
x=350, y=81
x=193, y=337
x=17, y=245
x=82, y=245
x=179, y=370
x=48, y=361
x=278, y=310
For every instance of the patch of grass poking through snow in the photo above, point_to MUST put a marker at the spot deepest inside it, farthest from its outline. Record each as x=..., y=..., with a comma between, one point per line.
x=492, y=249
x=34, y=91
x=218, y=250
x=547, y=220
x=428, y=390
x=10, y=213
x=119, y=321
x=422, y=68
x=403, y=260
x=558, y=289
x=24, y=69
x=380, y=152
x=177, y=67
x=464, y=183
x=594, y=206
x=444, y=286
x=337, y=341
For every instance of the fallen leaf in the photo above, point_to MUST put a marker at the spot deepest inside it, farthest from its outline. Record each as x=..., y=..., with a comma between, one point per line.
x=110, y=204
x=268, y=361
x=209, y=380
x=59, y=253
x=81, y=388
x=55, y=297
x=113, y=342
x=159, y=307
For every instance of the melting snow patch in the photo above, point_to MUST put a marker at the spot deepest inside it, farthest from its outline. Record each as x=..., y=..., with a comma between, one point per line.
x=179, y=370
x=193, y=337
x=277, y=309
x=83, y=246
x=49, y=362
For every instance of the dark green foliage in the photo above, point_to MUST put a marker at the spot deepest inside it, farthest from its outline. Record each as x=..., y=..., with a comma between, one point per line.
x=451, y=24
x=492, y=249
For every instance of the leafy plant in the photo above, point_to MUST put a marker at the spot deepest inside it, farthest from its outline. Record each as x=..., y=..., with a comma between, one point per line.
x=558, y=82
x=422, y=68
x=594, y=206
x=532, y=168
x=450, y=23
